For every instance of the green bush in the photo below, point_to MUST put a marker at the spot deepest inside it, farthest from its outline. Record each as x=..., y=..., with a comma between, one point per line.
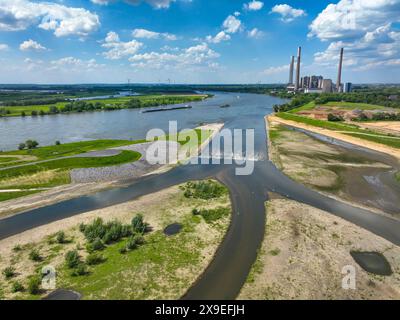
x=205, y=190
x=94, y=259
x=17, y=248
x=60, y=237
x=34, y=285
x=80, y=270
x=212, y=215
x=95, y=230
x=131, y=244
x=9, y=272
x=334, y=118
x=138, y=225
x=111, y=232
x=34, y=255
x=17, y=287
x=72, y=259
x=96, y=245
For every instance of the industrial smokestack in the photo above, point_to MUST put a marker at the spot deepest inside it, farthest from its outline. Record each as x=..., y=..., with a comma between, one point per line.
x=297, y=86
x=291, y=70
x=339, y=78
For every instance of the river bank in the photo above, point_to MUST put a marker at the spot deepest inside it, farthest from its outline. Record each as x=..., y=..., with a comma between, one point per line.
x=340, y=136
x=163, y=267
x=304, y=252
x=92, y=180
x=342, y=171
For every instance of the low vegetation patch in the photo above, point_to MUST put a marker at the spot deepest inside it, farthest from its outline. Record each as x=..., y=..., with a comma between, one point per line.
x=72, y=163
x=212, y=215
x=204, y=190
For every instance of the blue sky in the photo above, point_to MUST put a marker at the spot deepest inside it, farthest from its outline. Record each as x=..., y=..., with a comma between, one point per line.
x=196, y=41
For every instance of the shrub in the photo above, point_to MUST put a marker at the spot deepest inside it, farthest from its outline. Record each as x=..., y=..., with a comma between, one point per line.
x=17, y=248
x=34, y=255
x=82, y=227
x=131, y=244
x=94, y=230
x=34, y=285
x=134, y=241
x=23, y=114
x=138, y=225
x=94, y=258
x=58, y=143
x=123, y=250
x=205, y=190
x=96, y=245
x=31, y=144
x=60, y=237
x=34, y=113
x=9, y=272
x=80, y=270
x=21, y=146
x=17, y=287
x=108, y=233
x=334, y=118
x=72, y=259
x=212, y=215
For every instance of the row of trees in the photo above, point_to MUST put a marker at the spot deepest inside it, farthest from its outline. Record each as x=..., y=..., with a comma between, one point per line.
x=28, y=144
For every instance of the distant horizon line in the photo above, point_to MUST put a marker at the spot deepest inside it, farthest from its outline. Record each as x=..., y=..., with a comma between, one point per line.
x=172, y=84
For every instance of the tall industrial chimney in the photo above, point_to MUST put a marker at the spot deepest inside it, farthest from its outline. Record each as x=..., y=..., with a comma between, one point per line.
x=339, y=78
x=297, y=85
x=291, y=70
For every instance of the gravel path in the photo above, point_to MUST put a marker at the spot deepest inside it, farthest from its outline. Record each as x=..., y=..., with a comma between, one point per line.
x=122, y=172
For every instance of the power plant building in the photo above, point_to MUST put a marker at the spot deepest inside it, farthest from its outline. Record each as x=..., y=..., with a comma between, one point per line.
x=314, y=83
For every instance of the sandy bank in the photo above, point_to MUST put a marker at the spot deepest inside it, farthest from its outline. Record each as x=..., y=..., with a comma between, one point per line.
x=304, y=252
x=340, y=136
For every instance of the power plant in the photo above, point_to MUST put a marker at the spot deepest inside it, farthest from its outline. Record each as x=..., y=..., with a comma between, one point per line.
x=297, y=85
x=315, y=84
x=291, y=71
x=339, y=87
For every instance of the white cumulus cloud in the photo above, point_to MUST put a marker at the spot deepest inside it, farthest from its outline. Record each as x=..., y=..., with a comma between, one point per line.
x=118, y=49
x=255, y=33
x=365, y=29
x=232, y=24
x=31, y=45
x=147, y=34
x=253, y=5
x=158, y=4
x=196, y=56
x=62, y=20
x=287, y=12
x=219, y=37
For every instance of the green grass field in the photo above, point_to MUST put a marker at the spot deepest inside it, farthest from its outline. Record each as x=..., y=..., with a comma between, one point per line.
x=70, y=149
x=55, y=172
x=4, y=196
x=348, y=129
x=71, y=163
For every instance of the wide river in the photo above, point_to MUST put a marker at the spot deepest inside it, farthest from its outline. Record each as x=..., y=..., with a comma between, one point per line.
x=229, y=269
x=127, y=124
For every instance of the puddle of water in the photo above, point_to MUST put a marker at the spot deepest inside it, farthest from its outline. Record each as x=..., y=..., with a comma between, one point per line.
x=173, y=229
x=62, y=294
x=373, y=262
